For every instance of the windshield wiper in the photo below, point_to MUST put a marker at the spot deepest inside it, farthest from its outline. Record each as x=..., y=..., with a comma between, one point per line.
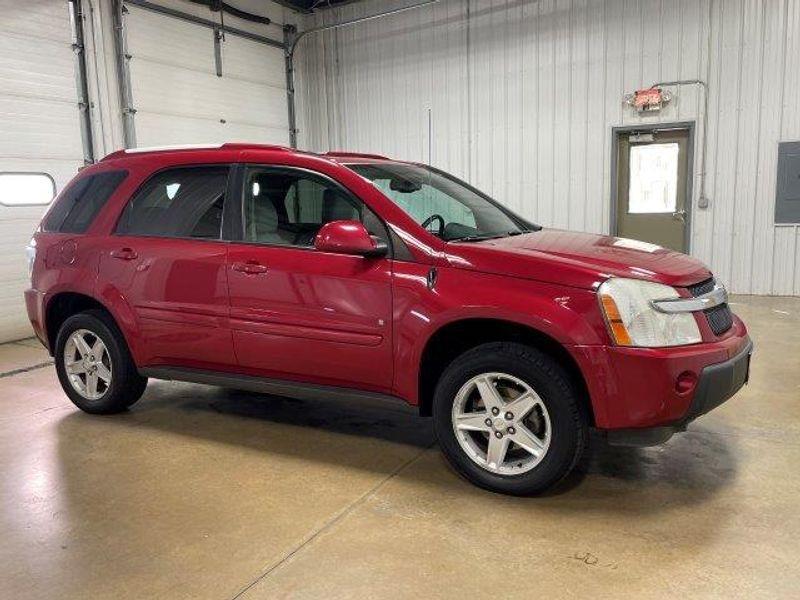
x=486, y=236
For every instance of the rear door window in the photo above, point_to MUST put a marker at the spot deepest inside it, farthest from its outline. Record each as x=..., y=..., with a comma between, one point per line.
x=81, y=202
x=186, y=203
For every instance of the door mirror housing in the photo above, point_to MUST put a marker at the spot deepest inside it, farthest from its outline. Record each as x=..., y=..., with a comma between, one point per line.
x=348, y=237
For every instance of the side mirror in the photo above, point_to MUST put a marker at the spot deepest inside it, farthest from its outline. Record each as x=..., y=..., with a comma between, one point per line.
x=348, y=237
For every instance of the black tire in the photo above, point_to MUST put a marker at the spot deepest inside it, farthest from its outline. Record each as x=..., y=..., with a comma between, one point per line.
x=126, y=386
x=568, y=422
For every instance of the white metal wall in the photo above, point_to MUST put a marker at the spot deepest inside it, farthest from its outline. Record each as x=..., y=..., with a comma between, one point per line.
x=524, y=94
x=39, y=131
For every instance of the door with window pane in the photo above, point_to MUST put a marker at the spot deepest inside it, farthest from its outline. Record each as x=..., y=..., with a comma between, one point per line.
x=167, y=260
x=652, y=178
x=298, y=313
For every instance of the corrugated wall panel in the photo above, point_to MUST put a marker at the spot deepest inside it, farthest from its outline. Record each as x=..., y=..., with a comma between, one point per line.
x=524, y=96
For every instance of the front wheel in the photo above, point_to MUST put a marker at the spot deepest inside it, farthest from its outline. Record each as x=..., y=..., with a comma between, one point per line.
x=508, y=418
x=94, y=365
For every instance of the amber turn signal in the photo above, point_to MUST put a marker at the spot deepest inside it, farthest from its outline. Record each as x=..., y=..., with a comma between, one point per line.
x=615, y=324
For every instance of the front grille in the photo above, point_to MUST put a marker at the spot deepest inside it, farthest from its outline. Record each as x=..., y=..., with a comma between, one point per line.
x=698, y=289
x=720, y=318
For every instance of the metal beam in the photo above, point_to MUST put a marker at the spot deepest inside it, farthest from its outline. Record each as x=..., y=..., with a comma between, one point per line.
x=171, y=12
x=289, y=36
x=82, y=80
x=124, y=75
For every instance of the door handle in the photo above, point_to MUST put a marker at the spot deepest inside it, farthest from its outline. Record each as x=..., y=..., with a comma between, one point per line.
x=679, y=215
x=251, y=267
x=125, y=254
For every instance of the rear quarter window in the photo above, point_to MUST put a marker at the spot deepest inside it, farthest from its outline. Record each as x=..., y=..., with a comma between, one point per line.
x=81, y=202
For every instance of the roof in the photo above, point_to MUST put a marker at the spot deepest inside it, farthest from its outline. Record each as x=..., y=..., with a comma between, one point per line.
x=181, y=148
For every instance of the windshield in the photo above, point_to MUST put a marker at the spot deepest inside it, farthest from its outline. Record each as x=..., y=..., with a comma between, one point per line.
x=441, y=204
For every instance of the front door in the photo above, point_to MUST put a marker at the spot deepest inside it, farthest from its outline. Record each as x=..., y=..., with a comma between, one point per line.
x=297, y=313
x=652, y=175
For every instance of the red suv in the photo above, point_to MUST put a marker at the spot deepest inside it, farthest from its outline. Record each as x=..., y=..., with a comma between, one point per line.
x=352, y=275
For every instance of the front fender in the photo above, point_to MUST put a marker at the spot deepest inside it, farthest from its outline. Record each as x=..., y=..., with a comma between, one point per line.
x=570, y=316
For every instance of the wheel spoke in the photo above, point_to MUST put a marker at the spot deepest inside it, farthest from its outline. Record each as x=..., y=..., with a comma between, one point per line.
x=91, y=384
x=522, y=405
x=81, y=345
x=496, y=452
x=103, y=373
x=75, y=368
x=525, y=439
x=98, y=348
x=489, y=394
x=472, y=421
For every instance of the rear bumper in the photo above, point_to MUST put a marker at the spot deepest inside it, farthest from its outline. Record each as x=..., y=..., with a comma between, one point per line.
x=717, y=383
x=34, y=303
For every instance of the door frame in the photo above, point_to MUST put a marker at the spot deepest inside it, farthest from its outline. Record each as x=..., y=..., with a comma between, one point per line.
x=653, y=128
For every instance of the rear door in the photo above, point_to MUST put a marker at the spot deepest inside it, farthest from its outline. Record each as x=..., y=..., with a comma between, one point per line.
x=297, y=313
x=168, y=260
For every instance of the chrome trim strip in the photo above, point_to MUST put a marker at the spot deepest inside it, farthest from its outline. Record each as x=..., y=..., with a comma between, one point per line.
x=715, y=297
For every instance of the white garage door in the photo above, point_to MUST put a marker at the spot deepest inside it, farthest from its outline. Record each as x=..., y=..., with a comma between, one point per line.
x=180, y=99
x=39, y=131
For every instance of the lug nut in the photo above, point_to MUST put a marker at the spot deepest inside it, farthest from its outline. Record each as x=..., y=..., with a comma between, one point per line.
x=511, y=431
x=495, y=411
x=498, y=434
x=509, y=416
x=488, y=422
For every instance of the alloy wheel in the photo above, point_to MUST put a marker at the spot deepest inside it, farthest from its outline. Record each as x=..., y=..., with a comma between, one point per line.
x=88, y=364
x=501, y=423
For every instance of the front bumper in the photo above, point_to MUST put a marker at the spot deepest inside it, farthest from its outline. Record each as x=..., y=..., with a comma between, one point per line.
x=640, y=388
x=717, y=383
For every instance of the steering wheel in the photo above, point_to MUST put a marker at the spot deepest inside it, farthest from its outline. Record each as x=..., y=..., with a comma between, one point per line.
x=431, y=219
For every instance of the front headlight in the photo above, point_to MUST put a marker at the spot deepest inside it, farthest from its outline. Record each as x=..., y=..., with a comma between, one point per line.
x=632, y=321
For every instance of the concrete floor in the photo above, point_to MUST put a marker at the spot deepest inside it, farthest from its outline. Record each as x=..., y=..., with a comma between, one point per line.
x=199, y=492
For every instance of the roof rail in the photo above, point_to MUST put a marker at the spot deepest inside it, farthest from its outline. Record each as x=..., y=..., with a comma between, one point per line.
x=175, y=147
x=342, y=154
x=212, y=146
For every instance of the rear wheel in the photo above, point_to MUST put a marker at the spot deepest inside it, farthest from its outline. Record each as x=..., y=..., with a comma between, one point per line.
x=508, y=418
x=94, y=365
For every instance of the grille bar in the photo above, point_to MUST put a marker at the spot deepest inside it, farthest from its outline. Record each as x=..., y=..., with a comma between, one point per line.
x=720, y=318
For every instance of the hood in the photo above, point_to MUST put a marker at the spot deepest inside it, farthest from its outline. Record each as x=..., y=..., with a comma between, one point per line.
x=576, y=259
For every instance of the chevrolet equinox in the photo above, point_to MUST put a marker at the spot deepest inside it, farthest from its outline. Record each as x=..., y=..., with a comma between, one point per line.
x=350, y=275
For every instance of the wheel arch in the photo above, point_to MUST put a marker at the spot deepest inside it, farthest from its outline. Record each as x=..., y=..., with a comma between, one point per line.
x=456, y=337
x=64, y=304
